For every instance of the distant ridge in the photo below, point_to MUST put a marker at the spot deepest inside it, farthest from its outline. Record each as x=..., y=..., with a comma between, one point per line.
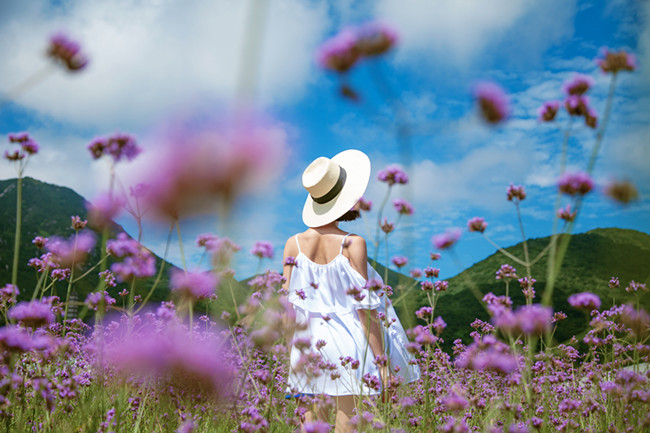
x=592, y=259
x=46, y=210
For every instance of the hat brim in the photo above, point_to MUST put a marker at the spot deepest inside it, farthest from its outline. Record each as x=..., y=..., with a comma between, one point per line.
x=357, y=168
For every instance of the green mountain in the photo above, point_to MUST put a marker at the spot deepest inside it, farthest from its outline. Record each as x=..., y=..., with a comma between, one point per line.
x=46, y=211
x=592, y=259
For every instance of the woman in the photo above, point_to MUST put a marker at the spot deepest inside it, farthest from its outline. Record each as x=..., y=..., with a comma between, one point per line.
x=335, y=350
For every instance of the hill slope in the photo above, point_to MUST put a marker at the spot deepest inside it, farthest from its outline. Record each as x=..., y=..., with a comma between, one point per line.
x=46, y=211
x=591, y=260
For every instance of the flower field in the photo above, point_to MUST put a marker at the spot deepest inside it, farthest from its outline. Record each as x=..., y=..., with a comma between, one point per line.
x=115, y=360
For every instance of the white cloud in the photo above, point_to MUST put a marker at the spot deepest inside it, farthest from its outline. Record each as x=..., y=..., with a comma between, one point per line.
x=146, y=57
x=458, y=32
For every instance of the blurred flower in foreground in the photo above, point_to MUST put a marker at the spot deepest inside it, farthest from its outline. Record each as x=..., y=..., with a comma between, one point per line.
x=375, y=38
x=446, y=240
x=262, y=249
x=72, y=251
x=67, y=52
x=138, y=261
x=575, y=183
x=339, y=53
x=392, y=175
x=193, y=285
x=200, y=161
x=34, y=314
x=527, y=320
x=492, y=101
x=118, y=146
x=584, y=300
x=614, y=62
x=103, y=210
x=622, y=191
x=364, y=205
x=173, y=359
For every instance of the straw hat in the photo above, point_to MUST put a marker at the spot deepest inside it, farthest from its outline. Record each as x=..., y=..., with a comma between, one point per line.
x=334, y=185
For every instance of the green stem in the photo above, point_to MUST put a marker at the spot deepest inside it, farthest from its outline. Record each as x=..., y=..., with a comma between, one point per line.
x=19, y=201
x=379, y=213
x=180, y=243
x=160, y=271
x=67, y=296
x=523, y=238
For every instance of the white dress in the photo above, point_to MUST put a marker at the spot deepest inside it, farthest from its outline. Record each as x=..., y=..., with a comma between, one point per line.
x=318, y=294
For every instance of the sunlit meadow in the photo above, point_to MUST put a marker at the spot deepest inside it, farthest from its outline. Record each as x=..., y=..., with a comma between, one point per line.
x=118, y=362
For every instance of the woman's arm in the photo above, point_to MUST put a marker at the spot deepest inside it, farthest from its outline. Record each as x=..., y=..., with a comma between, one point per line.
x=371, y=325
x=290, y=250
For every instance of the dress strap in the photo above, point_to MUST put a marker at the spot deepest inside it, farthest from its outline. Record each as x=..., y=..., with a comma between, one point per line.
x=343, y=242
x=297, y=244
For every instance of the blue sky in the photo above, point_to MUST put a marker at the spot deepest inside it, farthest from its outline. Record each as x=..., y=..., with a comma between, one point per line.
x=149, y=60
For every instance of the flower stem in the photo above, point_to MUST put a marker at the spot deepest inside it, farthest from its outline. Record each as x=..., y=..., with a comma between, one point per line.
x=19, y=201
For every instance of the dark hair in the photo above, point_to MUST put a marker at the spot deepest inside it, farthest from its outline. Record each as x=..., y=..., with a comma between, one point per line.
x=350, y=215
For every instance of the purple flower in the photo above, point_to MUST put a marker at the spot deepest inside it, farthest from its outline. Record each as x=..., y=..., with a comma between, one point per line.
x=15, y=156
x=516, y=192
x=340, y=52
x=34, y=314
x=399, y=261
x=73, y=251
x=172, y=357
x=99, y=301
x=40, y=242
x=387, y=227
x=364, y=205
x=441, y=286
x=138, y=261
x=476, y=224
x=67, y=52
x=578, y=85
x=392, y=175
x=14, y=339
x=613, y=62
x=427, y=286
x=614, y=283
x=577, y=105
x=506, y=272
x=527, y=320
x=317, y=427
x=635, y=287
x=119, y=146
x=424, y=312
x=585, y=301
x=201, y=161
x=263, y=249
x=402, y=206
x=290, y=261
x=492, y=101
x=566, y=214
x=548, y=111
x=375, y=38
x=77, y=223
x=446, y=240
x=435, y=256
x=415, y=273
x=454, y=401
x=103, y=210
x=8, y=294
x=575, y=183
x=439, y=325
x=430, y=272
x=193, y=285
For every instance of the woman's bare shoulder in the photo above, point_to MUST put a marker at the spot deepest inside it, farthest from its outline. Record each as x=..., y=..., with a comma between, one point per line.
x=355, y=244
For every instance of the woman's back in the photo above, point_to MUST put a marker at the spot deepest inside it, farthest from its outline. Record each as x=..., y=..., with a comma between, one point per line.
x=324, y=278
